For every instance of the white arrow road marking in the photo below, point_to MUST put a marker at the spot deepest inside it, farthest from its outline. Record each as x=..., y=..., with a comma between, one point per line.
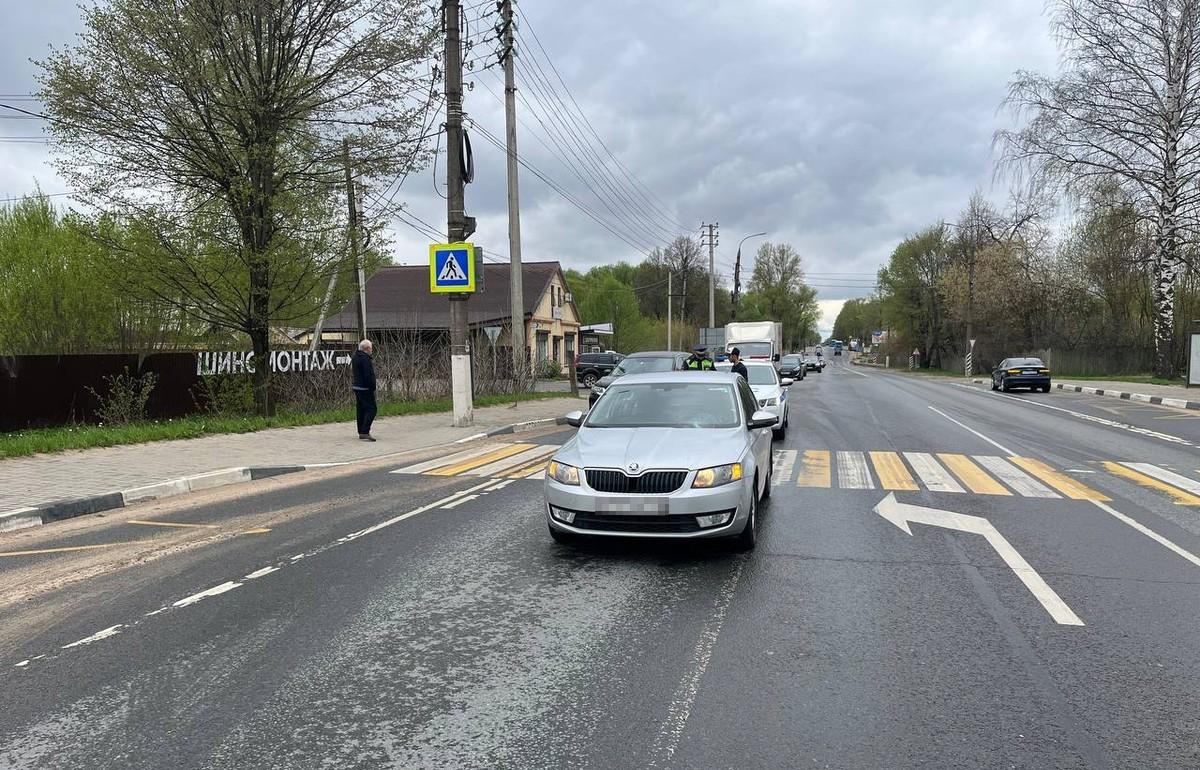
x=901, y=514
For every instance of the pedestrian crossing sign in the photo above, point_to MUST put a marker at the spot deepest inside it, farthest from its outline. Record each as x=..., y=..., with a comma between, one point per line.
x=451, y=267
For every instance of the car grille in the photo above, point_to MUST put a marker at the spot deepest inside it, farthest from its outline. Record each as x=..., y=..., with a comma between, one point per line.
x=650, y=483
x=619, y=522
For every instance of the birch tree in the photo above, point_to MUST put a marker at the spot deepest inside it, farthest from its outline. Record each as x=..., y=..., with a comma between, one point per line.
x=215, y=128
x=1124, y=110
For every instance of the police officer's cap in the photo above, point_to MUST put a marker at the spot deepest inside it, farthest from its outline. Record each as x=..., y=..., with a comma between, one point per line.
x=701, y=348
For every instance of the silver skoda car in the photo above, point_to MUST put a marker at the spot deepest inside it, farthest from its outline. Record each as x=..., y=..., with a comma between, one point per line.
x=682, y=455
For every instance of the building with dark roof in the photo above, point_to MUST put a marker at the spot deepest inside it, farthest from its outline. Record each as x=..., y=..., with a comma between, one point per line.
x=399, y=301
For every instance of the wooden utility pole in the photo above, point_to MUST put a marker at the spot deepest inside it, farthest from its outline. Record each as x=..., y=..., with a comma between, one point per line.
x=355, y=259
x=516, y=287
x=456, y=218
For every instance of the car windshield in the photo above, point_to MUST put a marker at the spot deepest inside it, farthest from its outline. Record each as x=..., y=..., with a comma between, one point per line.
x=645, y=364
x=667, y=405
x=754, y=349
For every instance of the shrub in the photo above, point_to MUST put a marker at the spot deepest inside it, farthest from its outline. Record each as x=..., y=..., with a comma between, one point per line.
x=125, y=401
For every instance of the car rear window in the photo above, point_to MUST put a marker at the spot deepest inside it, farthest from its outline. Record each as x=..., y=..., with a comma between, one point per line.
x=1026, y=362
x=790, y=360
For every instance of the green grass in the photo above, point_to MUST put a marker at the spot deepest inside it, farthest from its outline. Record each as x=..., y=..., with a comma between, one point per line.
x=61, y=439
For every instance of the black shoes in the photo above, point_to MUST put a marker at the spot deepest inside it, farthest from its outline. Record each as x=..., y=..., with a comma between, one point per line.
x=365, y=437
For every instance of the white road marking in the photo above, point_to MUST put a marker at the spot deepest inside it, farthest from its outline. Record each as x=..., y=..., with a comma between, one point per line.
x=1193, y=558
x=470, y=438
x=969, y=429
x=684, y=697
x=933, y=475
x=1090, y=418
x=538, y=476
x=900, y=514
x=852, y=371
x=261, y=572
x=1021, y=482
x=512, y=461
x=853, y=472
x=500, y=485
x=158, y=611
x=110, y=631
x=1174, y=479
x=214, y=591
x=458, y=502
x=23, y=663
x=450, y=459
x=785, y=462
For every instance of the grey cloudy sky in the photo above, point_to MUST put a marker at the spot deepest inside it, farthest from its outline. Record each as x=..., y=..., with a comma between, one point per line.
x=837, y=125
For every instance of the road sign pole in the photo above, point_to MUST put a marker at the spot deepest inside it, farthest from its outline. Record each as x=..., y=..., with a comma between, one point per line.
x=460, y=350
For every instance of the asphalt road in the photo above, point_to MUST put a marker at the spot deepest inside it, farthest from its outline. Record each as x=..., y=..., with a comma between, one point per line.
x=364, y=618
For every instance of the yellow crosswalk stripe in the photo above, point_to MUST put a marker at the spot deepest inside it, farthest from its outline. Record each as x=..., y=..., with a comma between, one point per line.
x=1069, y=487
x=892, y=473
x=1180, y=497
x=526, y=468
x=975, y=478
x=814, y=469
x=484, y=459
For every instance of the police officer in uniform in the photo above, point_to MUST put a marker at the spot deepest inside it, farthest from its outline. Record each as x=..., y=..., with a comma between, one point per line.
x=699, y=360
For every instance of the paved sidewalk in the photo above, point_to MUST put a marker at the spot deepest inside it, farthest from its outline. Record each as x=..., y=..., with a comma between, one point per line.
x=32, y=481
x=1167, y=395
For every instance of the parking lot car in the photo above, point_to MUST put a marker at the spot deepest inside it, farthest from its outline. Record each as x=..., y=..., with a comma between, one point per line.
x=792, y=365
x=675, y=455
x=770, y=389
x=1021, y=373
x=636, y=363
x=590, y=367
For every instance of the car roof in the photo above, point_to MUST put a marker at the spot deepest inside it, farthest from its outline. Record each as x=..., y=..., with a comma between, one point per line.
x=656, y=354
x=662, y=378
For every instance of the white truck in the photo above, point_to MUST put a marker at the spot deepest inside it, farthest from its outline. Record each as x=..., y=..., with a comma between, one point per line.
x=760, y=340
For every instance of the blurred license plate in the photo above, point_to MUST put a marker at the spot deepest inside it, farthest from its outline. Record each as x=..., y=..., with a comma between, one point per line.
x=1030, y=371
x=643, y=505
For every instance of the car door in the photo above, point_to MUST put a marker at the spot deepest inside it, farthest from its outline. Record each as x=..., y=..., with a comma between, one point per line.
x=760, y=438
x=998, y=374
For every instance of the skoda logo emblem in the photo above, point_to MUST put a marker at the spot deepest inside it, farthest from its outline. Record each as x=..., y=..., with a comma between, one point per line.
x=633, y=466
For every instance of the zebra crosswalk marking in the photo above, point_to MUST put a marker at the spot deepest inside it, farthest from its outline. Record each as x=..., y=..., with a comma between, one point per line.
x=785, y=461
x=498, y=467
x=1120, y=469
x=975, y=478
x=853, y=472
x=892, y=473
x=527, y=469
x=814, y=469
x=496, y=454
x=1182, y=482
x=932, y=475
x=1010, y=474
x=438, y=462
x=1068, y=486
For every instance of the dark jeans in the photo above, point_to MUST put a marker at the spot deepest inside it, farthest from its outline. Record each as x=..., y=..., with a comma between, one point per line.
x=365, y=410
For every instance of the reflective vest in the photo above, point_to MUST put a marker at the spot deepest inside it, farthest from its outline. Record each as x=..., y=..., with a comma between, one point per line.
x=700, y=364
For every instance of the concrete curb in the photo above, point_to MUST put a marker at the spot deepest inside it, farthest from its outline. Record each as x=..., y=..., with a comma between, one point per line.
x=1178, y=403
x=521, y=427
x=82, y=506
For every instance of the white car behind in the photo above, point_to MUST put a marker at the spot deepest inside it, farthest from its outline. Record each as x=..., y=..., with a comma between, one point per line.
x=769, y=389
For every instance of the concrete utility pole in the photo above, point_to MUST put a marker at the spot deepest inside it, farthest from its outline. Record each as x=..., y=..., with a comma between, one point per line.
x=669, y=298
x=359, y=306
x=710, y=237
x=456, y=219
x=516, y=287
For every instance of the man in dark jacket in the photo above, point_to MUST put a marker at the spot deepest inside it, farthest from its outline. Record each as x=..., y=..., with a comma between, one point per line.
x=364, y=389
x=735, y=356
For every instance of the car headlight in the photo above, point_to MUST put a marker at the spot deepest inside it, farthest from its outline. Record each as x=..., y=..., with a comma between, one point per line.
x=768, y=402
x=563, y=473
x=597, y=390
x=715, y=477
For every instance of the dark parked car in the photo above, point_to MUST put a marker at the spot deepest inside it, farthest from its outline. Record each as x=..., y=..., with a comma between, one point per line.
x=637, y=363
x=792, y=365
x=814, y=364
x=590, y=367
x=1021, y=373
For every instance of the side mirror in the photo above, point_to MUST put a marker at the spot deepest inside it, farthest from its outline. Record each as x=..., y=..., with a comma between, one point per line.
x=786, y=381
x=762, y=420
x=575, y=419
x=775, y=357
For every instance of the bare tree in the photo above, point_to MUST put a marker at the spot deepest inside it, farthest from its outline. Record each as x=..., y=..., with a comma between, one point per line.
x=216, y=128
x=1125, y=110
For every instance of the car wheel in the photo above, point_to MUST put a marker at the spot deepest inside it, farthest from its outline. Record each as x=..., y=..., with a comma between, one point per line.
x=994, y=386
x=589, y=380
x=1004, y=386
x=563, y=538
x=1045, y=388
x=745, y=540
x=778, y=434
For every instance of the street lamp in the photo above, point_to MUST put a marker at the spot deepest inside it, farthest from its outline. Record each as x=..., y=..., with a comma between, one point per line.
x=737, y=275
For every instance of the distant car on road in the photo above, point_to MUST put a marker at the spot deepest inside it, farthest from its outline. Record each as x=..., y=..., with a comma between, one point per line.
x=1021, y=373
x=769, y=388
x=814, y=364
x=590, y=367
x=792, y=365
x=636, y=363
x=670, y=455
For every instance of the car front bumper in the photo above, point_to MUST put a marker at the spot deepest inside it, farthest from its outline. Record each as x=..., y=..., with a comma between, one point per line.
x=669, y=516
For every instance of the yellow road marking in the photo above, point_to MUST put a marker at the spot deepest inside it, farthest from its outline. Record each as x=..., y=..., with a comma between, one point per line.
x=477, y=462
x=521, y=471
x=892, y=473
x=65, y=549
x=1068, y=486
x=171, y=524
x=976, y=478
x=814, y=469
x=1181, y=497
